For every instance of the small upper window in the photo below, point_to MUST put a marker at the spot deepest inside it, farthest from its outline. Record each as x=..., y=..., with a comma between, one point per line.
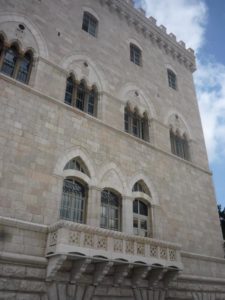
x=135, y=55
x=172, y=79
x=90, y=24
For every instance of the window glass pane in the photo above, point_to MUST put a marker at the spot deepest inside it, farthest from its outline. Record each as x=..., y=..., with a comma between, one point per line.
x=135, y=206
x=135, y=54
x=73, y=201
x=143, y=209
x=69, y=91
x=24, y=69
x=143, y=224
x=109, y=210
x=91, y=102
x=126, y=121
x=80, y=96
x=172, y=79
x=9, y=62
x=135, y=223
x=90, y=24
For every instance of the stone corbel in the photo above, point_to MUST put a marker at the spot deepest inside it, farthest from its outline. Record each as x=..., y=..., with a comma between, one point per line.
x=169, y=276
x=54, y=265
x=121, y=272
x=139, y=274
x=156, y=275
x=102, y=269
x=79, y=267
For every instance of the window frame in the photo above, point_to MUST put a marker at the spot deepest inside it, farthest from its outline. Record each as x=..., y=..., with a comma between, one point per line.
x=135, y=55
x=179, y=145
x=108, y=209
x=91, y=23
x=137, y=216
x=172, y=79
x=70, y=210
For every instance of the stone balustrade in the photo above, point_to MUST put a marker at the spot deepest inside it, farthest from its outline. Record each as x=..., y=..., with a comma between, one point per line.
x=67, y=237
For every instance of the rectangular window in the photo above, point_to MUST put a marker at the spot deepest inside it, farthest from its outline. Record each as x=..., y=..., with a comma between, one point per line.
x=135, y=55
x=90, y=24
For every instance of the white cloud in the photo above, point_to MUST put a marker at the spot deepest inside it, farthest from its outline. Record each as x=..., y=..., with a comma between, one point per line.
x=210, y=83
x=187, y=19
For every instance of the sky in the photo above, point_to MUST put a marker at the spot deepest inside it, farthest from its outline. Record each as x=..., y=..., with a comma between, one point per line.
x=201, y=24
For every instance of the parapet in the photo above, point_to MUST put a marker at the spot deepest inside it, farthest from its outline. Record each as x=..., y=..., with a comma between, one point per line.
x=157, y=34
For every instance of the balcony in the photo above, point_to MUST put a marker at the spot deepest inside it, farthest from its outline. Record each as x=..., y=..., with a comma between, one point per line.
x=137, y=258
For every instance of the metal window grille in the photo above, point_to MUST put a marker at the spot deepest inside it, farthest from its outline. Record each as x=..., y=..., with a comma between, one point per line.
x=91, y=103
x=73, y=201
x=110, y=211
x=80, y=96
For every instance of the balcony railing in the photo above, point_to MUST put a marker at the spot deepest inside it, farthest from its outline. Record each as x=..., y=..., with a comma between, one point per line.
x=68, y=237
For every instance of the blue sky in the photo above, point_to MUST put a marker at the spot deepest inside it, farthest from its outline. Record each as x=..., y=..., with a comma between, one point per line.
x=201, y=25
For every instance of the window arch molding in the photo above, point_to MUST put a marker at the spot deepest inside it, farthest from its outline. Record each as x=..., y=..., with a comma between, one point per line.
x=42, y=49
x=135, y=43
x=69, y=155
x=105, y=175
x=154, y=199
x=91, y=11
x=133, y=95
x=170, y=121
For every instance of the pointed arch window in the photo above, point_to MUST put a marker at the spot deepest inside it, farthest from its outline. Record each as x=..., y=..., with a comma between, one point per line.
x=80, y=96
x=15, y=64
x=78, y=165
x=24, y=68
x=135, y=124
x=69, y=90
x=141, y=215
x=9, y=61
x=73, y=203
x=179, y=145
x=110, y=210
x=140, y=186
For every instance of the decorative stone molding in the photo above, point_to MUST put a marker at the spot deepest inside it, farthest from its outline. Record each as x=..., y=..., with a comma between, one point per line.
x=148, y=27
x=94, y=241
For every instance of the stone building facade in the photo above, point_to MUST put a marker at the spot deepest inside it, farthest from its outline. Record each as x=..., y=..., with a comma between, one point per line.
x=105, y=189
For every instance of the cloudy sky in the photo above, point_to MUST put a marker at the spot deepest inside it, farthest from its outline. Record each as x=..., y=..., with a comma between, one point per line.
x=201, y=24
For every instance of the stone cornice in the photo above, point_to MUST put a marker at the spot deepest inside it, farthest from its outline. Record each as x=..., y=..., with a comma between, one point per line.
x=21, y=258
x=203, y=257
x=157, y=34
x=11, y=222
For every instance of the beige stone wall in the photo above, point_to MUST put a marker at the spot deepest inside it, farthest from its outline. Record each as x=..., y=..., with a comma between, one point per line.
x=39, y=134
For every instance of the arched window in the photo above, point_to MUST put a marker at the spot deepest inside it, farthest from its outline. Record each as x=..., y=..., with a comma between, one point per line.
x=141, y=222
x=81, y=94
x=172, y=79
x=24, y=68
x=69, y=90
x=90, y=24
x=9, y=61
x=179, y=145
x=135, y=55
x=92, y=101
x=15, y=64
x=78, y=165
x=73, y=202
x=140, y=186
x=110, y=210
x=135, y=124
